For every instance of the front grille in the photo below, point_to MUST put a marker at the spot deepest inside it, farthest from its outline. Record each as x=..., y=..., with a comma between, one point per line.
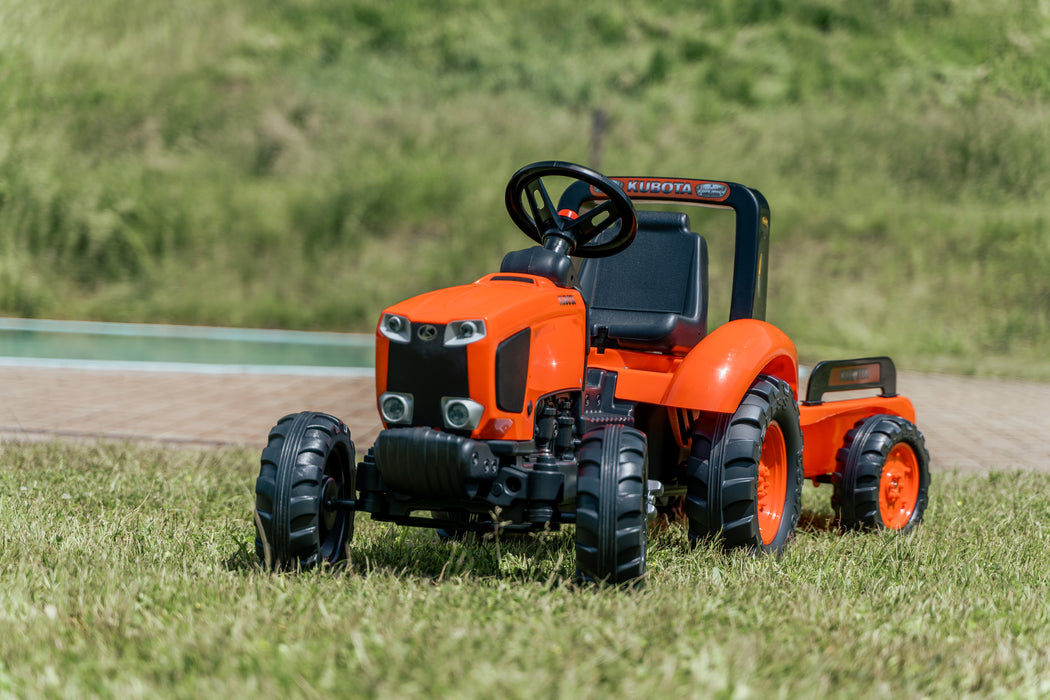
x=427, y=370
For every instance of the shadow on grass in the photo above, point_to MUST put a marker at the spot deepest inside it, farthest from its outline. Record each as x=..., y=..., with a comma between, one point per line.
x=808, y=521
x=385, y=549
x=818, y=522
x=392, y=550
x=420, y=553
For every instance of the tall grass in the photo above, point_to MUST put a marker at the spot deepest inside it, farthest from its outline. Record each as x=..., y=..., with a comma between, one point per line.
x=302, y=163
x=127, y=571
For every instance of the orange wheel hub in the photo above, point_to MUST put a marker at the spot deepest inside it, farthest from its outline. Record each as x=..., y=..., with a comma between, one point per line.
x=772, y=483
x=899, y=487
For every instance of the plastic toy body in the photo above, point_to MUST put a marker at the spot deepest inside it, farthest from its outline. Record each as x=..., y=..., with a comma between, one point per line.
x=553, y=393
x=526, y=340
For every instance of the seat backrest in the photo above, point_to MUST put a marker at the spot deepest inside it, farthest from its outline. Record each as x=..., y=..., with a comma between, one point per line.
x=653, y=295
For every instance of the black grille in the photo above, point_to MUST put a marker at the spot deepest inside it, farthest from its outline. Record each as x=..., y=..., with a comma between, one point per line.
x=512, y=371
x=427, y=370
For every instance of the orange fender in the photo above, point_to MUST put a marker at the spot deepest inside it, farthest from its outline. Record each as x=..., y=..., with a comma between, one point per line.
x=716, y=374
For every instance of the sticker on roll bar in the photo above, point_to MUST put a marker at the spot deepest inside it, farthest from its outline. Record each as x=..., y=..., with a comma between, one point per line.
x=670, y=189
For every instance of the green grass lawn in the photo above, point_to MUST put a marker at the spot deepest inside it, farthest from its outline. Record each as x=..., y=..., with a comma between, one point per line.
x=127, y=571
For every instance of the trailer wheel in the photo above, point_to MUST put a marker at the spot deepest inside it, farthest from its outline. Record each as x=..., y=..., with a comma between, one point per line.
x=308, y=461
x=745, y=480
x=882, y=475
x=611, y=496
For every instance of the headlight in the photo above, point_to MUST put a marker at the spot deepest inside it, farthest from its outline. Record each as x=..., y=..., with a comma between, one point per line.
x=396, y=408
x=461, y=414
x=464, y=332
x=396, y=328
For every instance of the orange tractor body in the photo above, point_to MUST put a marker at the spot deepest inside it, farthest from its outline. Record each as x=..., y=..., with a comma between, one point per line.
x=580, y=385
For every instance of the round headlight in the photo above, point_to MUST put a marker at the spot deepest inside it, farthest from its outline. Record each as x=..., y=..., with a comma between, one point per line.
x=394, y=408
x=461, y=413
x=457, y=414
x=458, y=333
x=395, y=328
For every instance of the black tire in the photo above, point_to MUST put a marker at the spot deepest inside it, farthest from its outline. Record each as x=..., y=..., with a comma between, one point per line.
x=308, y=460
x=882, y=475
x=611, y=505
x=735, y=494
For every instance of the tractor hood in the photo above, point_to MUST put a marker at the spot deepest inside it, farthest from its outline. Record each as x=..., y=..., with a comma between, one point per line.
x=505, y=301
x=503, y=342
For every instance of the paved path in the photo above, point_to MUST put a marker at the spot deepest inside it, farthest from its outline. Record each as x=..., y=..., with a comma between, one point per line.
x=970, y=424
x=205, y=409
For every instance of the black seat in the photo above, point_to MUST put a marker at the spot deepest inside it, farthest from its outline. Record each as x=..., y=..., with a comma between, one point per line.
x=653, y=295
x=541, y=262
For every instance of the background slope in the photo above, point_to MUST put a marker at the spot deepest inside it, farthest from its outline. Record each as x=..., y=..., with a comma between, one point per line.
x=299, y=164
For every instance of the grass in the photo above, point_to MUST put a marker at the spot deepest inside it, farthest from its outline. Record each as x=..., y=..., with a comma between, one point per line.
x=301, y=164
x=128, y=571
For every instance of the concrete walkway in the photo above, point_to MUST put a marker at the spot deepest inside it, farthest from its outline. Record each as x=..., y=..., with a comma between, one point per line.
x=970, y=424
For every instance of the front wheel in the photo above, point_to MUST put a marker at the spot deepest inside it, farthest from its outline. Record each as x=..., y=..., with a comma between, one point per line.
x=745, y=480
x=611, y=502
x=308, y=462
x=882, y=475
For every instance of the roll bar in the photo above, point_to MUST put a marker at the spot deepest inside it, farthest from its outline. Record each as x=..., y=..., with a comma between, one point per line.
x=751, y=247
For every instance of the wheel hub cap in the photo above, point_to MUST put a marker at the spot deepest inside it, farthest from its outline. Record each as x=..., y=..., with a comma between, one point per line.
x=772, y=483
x=899, y=487
x=329, y=492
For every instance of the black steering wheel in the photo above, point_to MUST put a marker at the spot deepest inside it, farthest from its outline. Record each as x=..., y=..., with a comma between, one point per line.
x=565, y=234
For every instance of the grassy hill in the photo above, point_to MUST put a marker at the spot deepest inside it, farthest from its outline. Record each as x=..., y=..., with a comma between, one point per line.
x=300, y=164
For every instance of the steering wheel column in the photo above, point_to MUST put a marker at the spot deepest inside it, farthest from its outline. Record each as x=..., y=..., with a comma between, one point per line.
x=571, y=233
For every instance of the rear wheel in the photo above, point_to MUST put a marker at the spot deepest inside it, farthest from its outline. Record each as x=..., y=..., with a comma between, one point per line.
x=307, y=463
x=745, y=481
x=882, y=475
x=611, y=505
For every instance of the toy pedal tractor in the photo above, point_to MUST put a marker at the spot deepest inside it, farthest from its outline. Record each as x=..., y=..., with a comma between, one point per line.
x=594, y=394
